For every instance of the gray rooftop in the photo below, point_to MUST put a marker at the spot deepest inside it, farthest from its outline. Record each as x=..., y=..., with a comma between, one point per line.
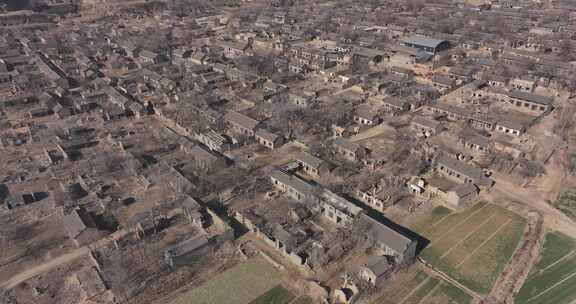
x=77, y=221
x=465, y=169
x=539, y=99
x=463, y=190
x=293, y=182
x=386, y=235
x=269, y=136
x=423, y=41
x=309, y=159
x=378, y=264
x=241, y=120
x=423, y=121
x=346, y=144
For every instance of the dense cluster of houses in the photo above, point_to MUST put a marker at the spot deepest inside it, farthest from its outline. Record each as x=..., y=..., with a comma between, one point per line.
x=308, y=123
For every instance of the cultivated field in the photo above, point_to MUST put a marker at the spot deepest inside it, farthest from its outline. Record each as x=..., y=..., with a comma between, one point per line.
x=303, y=300
x=276, y=295
x=567, y=204
x=416, y=287
x=553, y=279
x=472, y=246
x=239, y=285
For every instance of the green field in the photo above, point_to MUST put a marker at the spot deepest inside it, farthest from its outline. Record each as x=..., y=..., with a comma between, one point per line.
x=422, y=292
x=303, y=300
x=553, y=278
x=239, y=285
x=448, y=294
x=567, y=204
x=400, y=286
x=415, y=286
x=276, y=295
x=472, y=246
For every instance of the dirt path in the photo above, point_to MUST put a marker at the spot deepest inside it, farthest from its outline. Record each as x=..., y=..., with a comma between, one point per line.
x=60, y=260
x=372, y=132
x=437, y=273
x=45, y=267
x=512, y=196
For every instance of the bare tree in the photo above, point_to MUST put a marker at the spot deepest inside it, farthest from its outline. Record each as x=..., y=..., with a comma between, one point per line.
x=530, y=168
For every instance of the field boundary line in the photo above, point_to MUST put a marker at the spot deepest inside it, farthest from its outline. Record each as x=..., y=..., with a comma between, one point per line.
x=569, y=254
x=449, y=215
x=483, y=243
x=440, y=274
x=429, y=294
x=441, y=220
x=459, y=223
x=414, y=290
x=468, y=235
x=553, y=286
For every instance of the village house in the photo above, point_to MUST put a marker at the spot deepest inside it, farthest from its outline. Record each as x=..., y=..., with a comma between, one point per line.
x=213, y=140
x=523, y=84
x=302, y=98
x=492, y=93
x=461, y=171
x=268, y=139
x=495, y=80
x=148, y=57
x=376, y=270
x=349, y=150
x=200, y=156
x=451, y=112
x=425, y=126
x=271, y=89
x=317, y=59
x=337, y=209
x=403, y=55
x=455, y=195
x=80, y=226
x=395, y=105
x=511, y=126
x=443, y=83
x=23, y=17
x=193, y=247
x=241, y=123
x=376, y=197
x=293, y=186
x=232, y=49
x=475, y=143
x=525, y=101
x=366, y=115
x=461, y=74
x=481, y=122
x=402, y=72
x=312, y=165
x=390, y=242
x=473, y=90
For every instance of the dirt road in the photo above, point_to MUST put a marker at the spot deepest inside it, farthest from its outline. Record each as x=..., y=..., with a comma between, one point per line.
x=45, y=267
x=508, y=194
x=372, y=132
x=58, y=261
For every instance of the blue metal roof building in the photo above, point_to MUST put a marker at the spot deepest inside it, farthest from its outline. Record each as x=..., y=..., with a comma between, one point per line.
x=429, y=45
